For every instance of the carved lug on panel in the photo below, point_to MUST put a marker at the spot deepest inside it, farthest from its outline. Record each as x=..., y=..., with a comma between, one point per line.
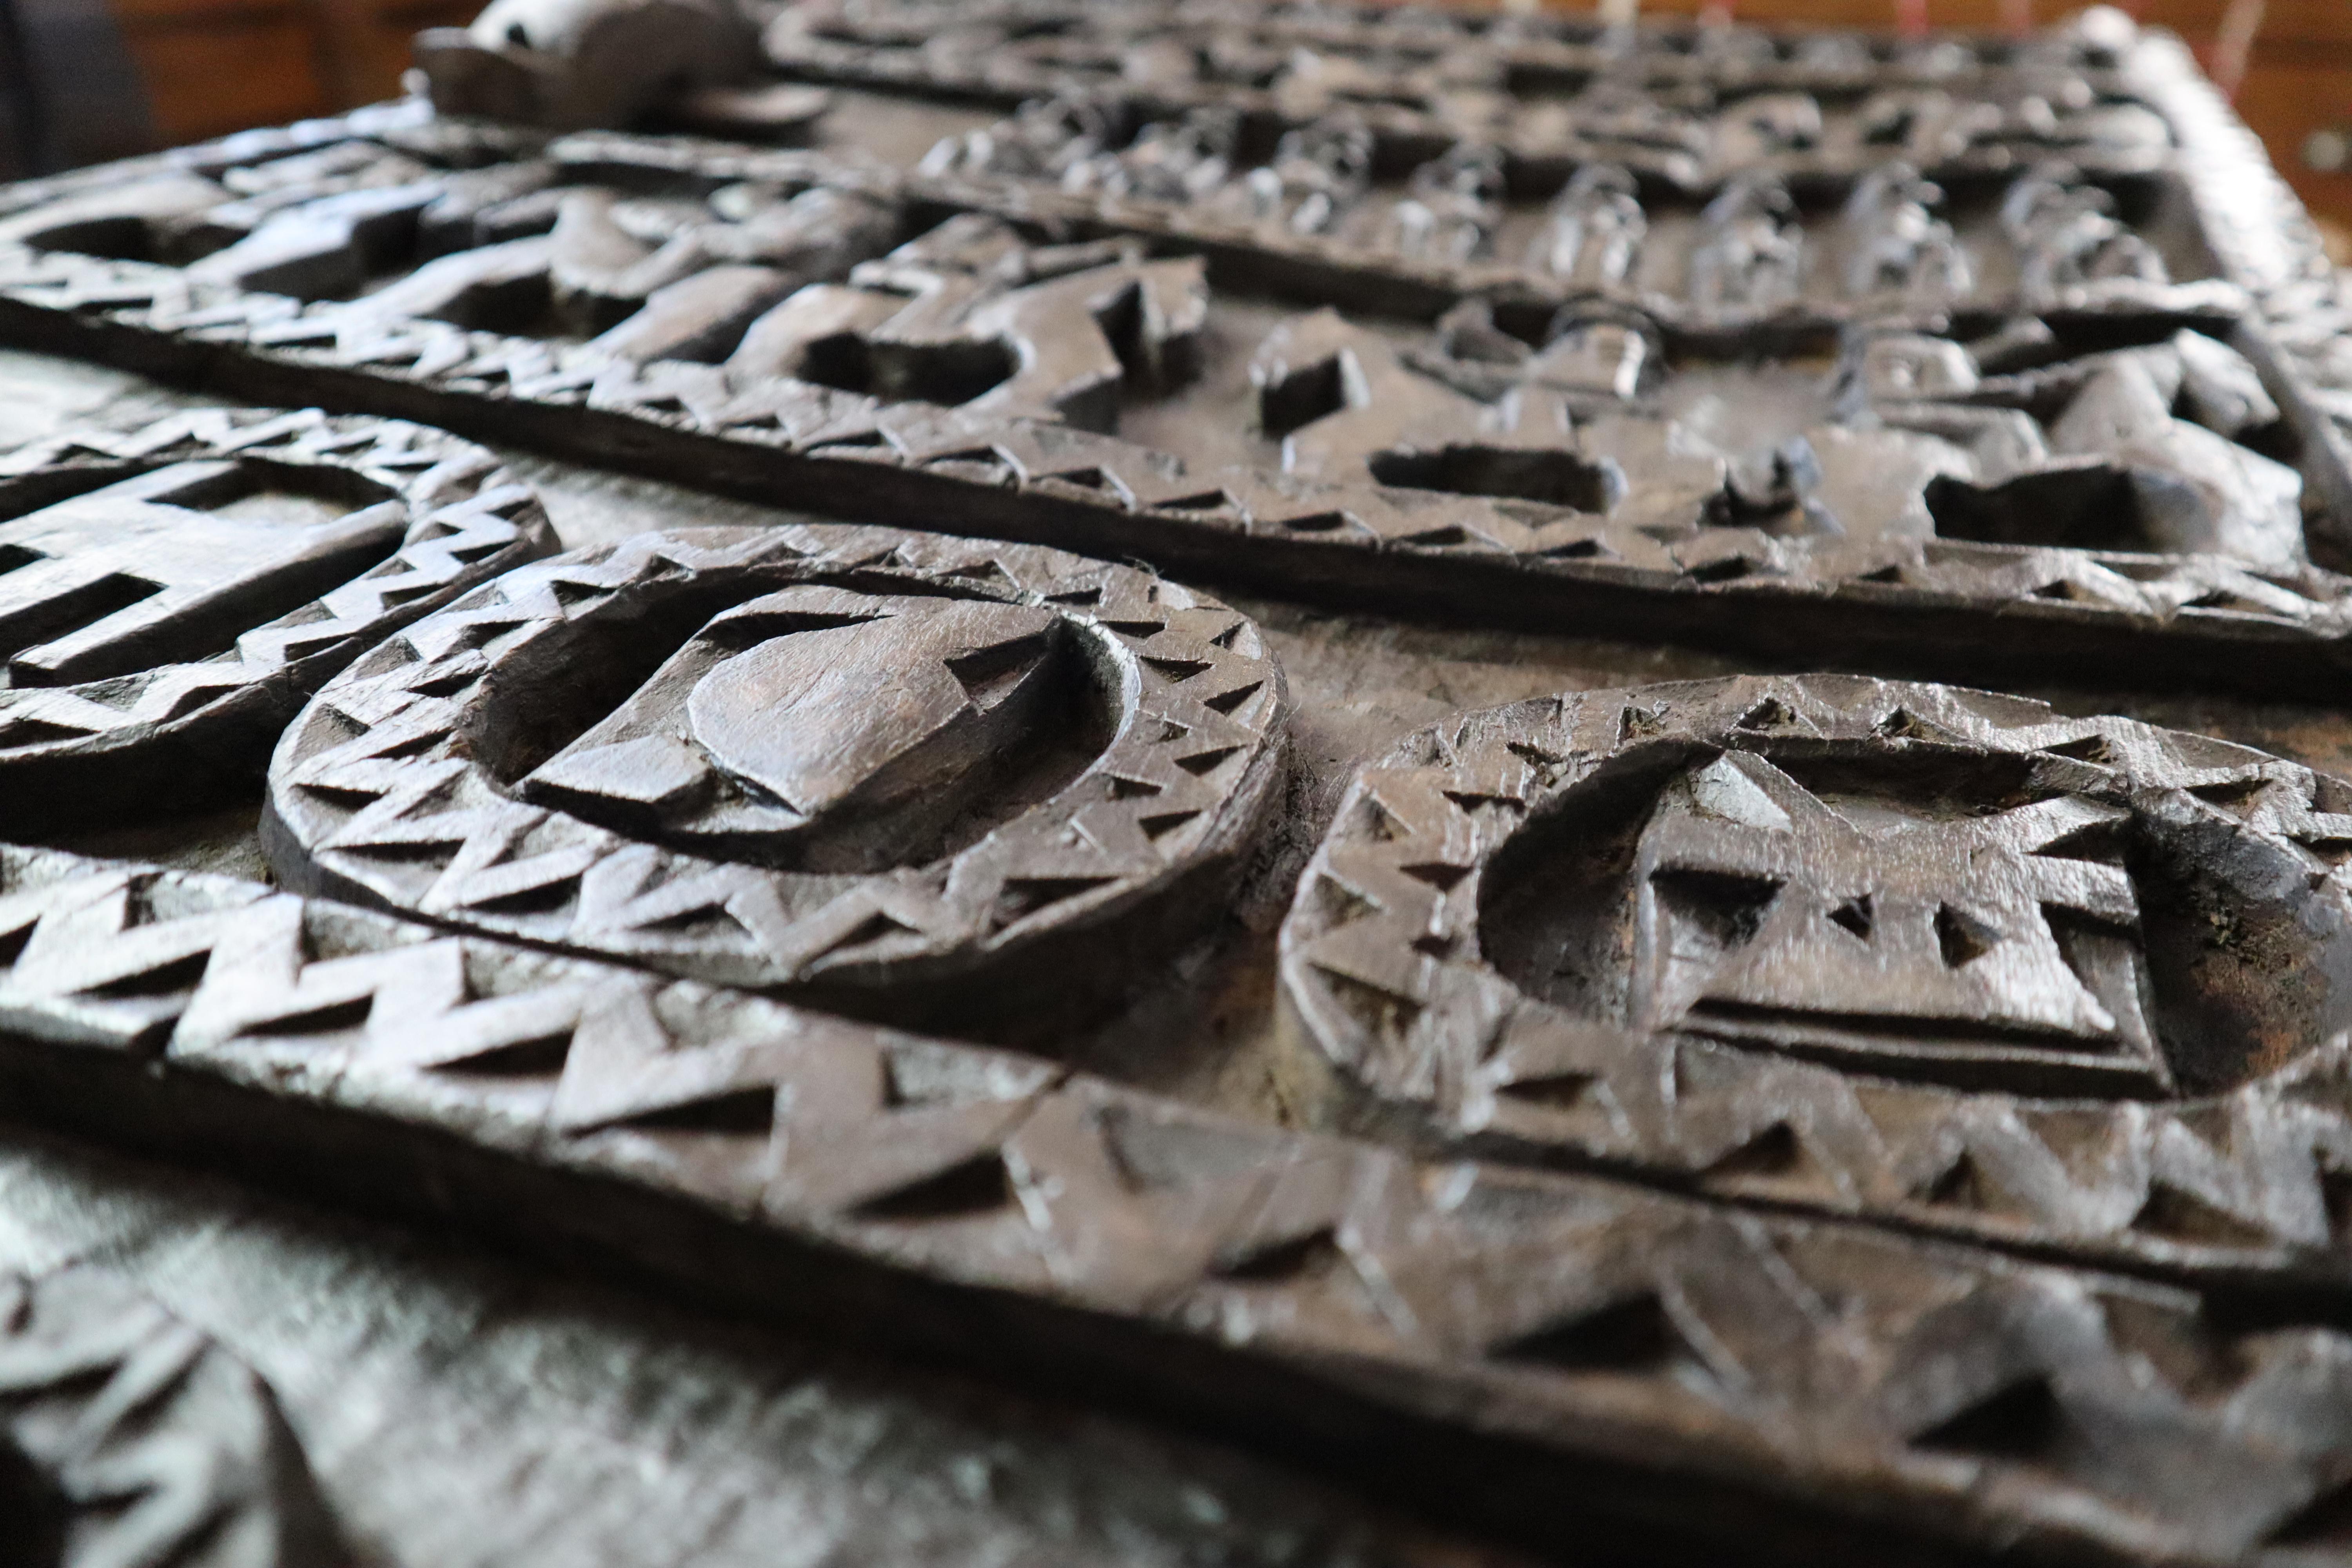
x=573, y=63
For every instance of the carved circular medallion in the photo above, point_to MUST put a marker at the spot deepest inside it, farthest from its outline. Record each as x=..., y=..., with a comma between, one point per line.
x=847, y=758
x=1875, y=947
x=170, y=596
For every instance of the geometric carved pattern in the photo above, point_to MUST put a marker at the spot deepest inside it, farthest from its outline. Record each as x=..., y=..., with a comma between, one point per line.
x=1756, y=258
x=1927, y=449
x=2196, y=616
x=147, y=1443
x=150, y=638
x=1719, y=101
x=1767, y=1067
x=1689, y=1349
x=1863, y=947
x=397, y=786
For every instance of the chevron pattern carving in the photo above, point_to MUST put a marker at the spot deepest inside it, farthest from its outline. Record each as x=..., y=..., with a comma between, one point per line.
x=997, y=467
x=147, y=1443
x=75, y=747
x=1390, y=977
x=1978, y=1398
x=384, y=790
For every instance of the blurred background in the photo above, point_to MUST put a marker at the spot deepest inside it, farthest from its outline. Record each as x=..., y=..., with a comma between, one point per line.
x=84, y=80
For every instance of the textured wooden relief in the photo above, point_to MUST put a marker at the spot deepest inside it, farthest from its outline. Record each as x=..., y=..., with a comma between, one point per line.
x=1950, y=286
x=1695, y=105
x=126, y=1436
x=170, y=596
x=812, y=814
x=831, y=756
x=1531, y=1323
x=2031, y=228
x=1862, y=947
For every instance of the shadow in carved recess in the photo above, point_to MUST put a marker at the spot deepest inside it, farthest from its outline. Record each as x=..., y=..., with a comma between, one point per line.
x=2150, y=435
x=1930, y=918
x=1862, y=947
x=33, y=1516
x=960, y=782
x=819, y=727
x=969, y=314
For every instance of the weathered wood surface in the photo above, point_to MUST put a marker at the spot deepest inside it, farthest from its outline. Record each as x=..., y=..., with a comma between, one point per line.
x=1147, y=883
x=131, y=1438
x=754, y=320
x=1414, y=1326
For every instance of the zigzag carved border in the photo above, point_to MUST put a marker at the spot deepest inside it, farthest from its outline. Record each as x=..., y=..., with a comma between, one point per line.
x=1919, y=602
x=1388, y=908
x=78, y=752
x=1538, y=1351
x=377, y=792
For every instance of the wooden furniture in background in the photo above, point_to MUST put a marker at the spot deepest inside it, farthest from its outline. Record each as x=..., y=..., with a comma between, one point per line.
x=216, y=66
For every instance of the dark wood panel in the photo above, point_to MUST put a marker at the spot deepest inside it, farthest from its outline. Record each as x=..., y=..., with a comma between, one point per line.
x=218, y=65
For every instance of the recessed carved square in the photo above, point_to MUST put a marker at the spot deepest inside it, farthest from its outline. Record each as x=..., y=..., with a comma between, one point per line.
x=1899, y=950
x=923, y=772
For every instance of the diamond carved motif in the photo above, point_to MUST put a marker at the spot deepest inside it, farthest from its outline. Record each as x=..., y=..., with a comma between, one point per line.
x=1766, y=912
x=1904, y=952
x=914, y=766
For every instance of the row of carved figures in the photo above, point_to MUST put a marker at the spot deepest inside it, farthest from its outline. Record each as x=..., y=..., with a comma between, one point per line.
x=1749, y=250
x=1316, y=61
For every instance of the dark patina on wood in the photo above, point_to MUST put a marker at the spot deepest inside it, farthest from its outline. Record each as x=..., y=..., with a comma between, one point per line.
x=1619, y=1099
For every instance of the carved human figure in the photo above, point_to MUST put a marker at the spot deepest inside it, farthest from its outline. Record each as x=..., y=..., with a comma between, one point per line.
x=1593, y=234
x=1044, y=138
x=1175, y=161
x=1896, y=243
x=1749, y=256
x=1453, y=207
x=1318, y=174
x=2067, y=235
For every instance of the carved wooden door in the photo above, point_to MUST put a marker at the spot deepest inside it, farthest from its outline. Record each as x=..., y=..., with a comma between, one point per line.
x=1242, y=785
